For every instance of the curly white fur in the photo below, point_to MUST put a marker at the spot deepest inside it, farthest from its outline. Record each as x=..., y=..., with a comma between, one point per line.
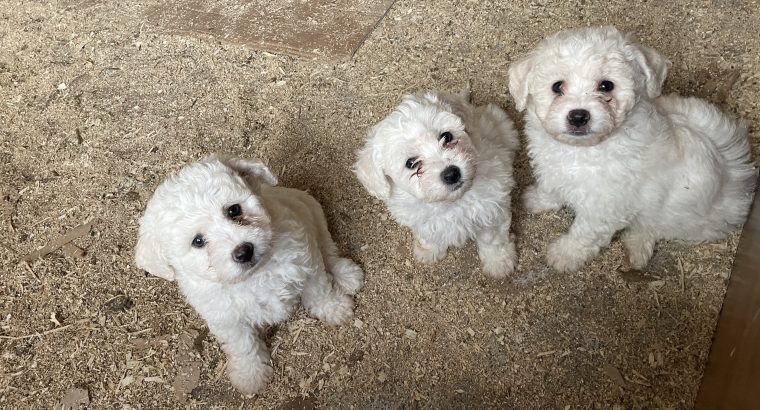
x=659, y=167
x=474, y=204
x=291, y=254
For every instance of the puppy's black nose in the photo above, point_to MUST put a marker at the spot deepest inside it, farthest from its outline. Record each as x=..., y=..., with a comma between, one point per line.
x=451, y=175
x=243, y=253
x=578, y=118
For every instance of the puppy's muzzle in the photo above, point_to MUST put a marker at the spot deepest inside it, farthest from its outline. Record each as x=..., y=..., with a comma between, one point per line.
x=243, y=253
x=578, y=120
x=451, y=175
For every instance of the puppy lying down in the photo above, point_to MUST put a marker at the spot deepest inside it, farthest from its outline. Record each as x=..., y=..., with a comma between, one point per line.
x=242, y=252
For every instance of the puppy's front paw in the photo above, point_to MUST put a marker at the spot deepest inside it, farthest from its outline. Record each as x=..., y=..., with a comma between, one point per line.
x=348, y=275
x=536, y=202
x=428, y=253
x=249, y=377
x=334, y=310
x=640, y=249
x=565, y=255
x=499, y=262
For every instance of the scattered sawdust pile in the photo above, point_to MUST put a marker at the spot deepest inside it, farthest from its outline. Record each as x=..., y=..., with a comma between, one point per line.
x=137, y=105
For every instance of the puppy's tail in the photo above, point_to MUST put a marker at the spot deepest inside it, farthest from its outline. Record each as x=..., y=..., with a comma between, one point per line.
x=732, y=143
x=731, y=147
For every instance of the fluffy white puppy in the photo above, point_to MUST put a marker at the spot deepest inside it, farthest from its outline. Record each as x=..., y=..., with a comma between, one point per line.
x=603, y=142
x=444, y=169
x=242, y=252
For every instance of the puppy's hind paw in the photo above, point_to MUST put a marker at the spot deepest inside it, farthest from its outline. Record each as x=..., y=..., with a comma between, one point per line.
x=428, y=253
x=348, y=275
x=565, y=255
x=335, y=310
x=499, y=263
x=536, y=202
x=249, y=377
x=640, y=249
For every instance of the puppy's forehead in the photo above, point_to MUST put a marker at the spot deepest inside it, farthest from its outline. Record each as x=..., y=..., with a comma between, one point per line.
x=203, y=186
x=593, y=45
x=608, y=37
x=418, y=117
x=582, y=64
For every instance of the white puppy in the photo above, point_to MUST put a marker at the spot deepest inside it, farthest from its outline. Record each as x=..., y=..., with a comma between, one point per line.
x=444, y=169
x=603, y=142
x=242, y=253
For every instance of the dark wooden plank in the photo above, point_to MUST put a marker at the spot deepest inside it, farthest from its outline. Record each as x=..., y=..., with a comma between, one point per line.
x=732, y=376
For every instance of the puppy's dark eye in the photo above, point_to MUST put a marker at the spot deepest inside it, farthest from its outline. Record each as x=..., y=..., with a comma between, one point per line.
x=198, y=241
x=447, y=137
x=234, y=211
x=606, y=86
x=412, y=163
x=557, y=87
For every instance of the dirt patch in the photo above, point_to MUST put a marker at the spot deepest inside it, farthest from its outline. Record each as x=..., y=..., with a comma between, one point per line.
x=326, y=29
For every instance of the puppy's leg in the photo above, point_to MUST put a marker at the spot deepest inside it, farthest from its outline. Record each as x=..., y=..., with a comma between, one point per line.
x=428, y=252
x=588, y=234
x=323, y=301
x=497, y=250
x=537, y=200
x=640, y=246
x=347, y=274
x=248, y=356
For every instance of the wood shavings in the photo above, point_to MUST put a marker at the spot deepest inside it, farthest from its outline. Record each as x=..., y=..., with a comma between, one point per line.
x=310, y=129
x=72, y=250
x=69, y=236
x=300, y=403
x=614, y=374
x=547, y=353
x=73, y=400
x=188, y=367
x=45, y=333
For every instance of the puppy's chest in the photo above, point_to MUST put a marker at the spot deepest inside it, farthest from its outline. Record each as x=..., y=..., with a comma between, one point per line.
x=269, y=298
x=455, y=222
x=271, y=305
x=580, y=173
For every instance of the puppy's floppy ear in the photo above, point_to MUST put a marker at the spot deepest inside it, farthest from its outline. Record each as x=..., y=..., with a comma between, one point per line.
x=519, y=73
x=653, y=65
x=370, y=172
x=149, y=252
x=253, y=170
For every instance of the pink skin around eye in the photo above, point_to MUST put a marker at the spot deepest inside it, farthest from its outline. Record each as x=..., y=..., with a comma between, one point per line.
x=418, y=171
x=451, y=144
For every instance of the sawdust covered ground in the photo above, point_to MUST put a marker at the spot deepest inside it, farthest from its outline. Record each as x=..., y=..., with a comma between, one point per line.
x=97, y=107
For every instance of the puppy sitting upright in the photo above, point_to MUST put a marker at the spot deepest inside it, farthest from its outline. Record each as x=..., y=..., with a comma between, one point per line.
x=242, y=254
x=603, y=142
x=444, y=169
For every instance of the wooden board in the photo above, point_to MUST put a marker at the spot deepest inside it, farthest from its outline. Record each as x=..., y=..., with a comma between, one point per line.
x=331, y=29
x=732, y=376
